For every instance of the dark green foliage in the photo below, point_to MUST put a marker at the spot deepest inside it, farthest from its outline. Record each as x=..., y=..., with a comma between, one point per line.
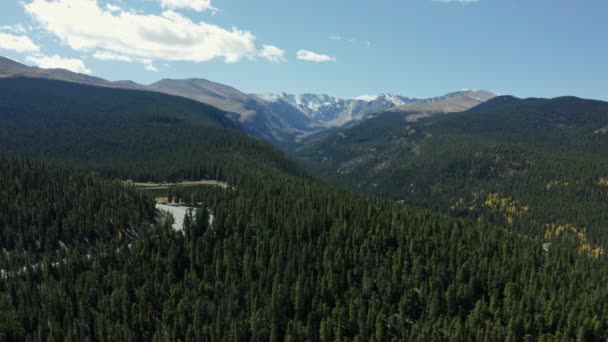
x=278, y=256
x=293, y=260
x=127, y=133
x=44, y=208
x=548, y=155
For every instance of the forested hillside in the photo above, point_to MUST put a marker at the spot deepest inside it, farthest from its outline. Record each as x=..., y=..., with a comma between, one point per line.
x=44, y=209
x=532, y=165
x=278, y=255
x=295, y=260
x=269, y=210
x=128, y=133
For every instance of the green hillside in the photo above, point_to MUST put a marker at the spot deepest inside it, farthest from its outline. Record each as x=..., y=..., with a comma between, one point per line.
x=278, y=255
x=44, y=209
x=128, y=133
x=529, y=164
x=288, y=260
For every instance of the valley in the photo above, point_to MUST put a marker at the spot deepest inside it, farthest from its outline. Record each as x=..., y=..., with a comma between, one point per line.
x=212, y=170
x=382, y=218
x=541, y=155
x=282, y=119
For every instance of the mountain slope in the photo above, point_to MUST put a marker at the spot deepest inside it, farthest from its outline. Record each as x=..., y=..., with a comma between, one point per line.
x=10, y=68
x=522, y=115
x=282, y=119
x=284, y=257
x=525, y=163
x=46, y=208
x=127, y=133
x=328, y=111
x=276, y=124
x=449, y=103
x=282, y=260
x=256, y=118
x=218, y=95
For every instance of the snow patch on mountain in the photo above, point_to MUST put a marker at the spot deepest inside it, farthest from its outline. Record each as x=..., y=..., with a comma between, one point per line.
x=394, y=100
x=269, y=97
x=479, y=95
x=319, y=111
x=366, y=98
x=329, y=111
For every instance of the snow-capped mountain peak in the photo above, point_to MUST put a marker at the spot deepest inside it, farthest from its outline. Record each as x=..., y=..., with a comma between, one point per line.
x=312, y=105
x=269, y=97
x=328, y=111
x=394, y=100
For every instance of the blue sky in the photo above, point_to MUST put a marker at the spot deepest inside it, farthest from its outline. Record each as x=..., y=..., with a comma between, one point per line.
x=417, y=48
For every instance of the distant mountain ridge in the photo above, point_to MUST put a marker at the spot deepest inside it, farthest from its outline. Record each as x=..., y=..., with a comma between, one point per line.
x=328, y=111
x=128, y=134
x=11, y=68
x=256, y=119
x=282, y=118
x=549, y=154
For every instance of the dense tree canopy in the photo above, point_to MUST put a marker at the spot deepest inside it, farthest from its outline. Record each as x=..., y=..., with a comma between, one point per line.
x=128, y=133
x=43, y=208
x=297, y=260
x=548, y=156
x=517, y=255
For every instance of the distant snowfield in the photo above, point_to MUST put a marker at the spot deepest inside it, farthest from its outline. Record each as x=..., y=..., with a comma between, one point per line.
x=178, y=212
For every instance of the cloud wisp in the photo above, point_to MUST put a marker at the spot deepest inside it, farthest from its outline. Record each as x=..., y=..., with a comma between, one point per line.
x=55, y=61
x=195, y=5
x=310, y=56
x=111, y=56
x=114, y=57
x=17, y=43
x=273, y=54
x=19, y=28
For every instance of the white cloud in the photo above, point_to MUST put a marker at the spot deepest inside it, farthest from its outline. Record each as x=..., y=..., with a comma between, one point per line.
x=148, y=65
x=195, y=5
x=310, y=56
x=111, y=56
x=55, y=61
x=16, y=43
x=113, y=8
x=114, y=57
x=457, y=1
x=273, y=54
x=19, y=28
x=86, y=27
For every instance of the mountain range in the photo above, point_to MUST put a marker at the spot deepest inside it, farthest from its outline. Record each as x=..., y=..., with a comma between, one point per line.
x=486, y=224
x=282, y=119
x=546, y=156
x=329, y=111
